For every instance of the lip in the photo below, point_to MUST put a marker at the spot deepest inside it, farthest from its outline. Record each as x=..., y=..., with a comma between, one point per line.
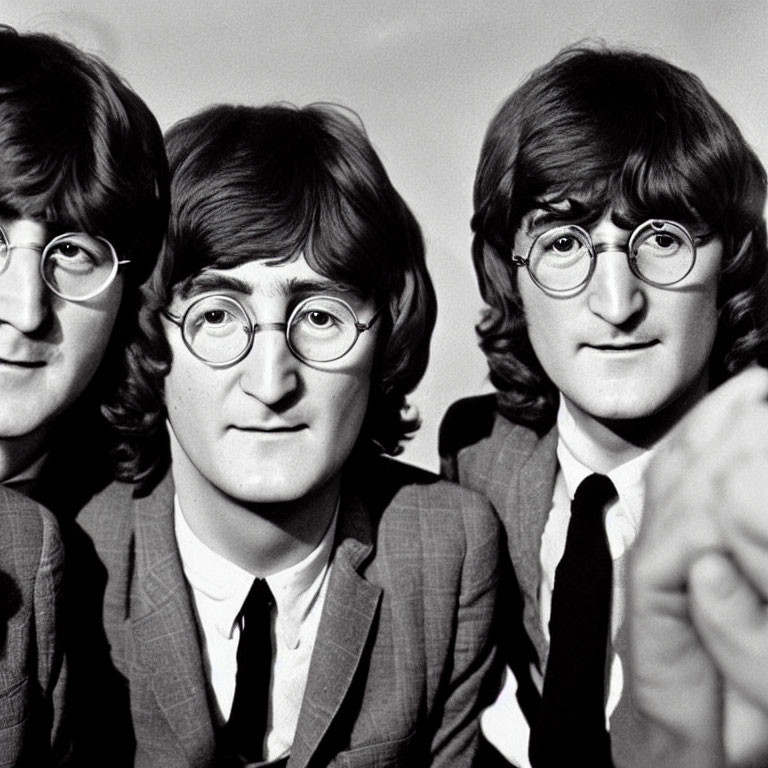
x=623, y=346
x=278, y=429
x=24, y=364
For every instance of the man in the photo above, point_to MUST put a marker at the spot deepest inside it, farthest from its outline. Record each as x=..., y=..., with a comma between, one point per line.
x=620, y=246
x=699, y=584
x=283, y=593
x=83, y=196
x=83, y=203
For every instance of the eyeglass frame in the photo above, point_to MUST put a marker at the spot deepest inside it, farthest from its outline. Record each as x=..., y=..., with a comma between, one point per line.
x=524, y=261
x=43, y=250
x=255, y=327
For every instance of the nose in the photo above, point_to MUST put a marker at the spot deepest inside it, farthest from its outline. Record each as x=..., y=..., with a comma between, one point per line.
x=616, y=294
x=270, y=372
x=25, y=300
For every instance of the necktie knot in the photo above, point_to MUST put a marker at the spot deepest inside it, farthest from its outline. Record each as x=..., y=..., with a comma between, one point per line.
x=593, y=494
x=258, y=602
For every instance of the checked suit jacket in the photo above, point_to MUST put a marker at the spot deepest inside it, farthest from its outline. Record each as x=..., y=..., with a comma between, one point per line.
x=516, y=469
x=31, y=568
x=403, y=661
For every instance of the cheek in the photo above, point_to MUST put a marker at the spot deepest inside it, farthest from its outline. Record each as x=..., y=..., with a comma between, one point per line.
x=344, y=399
x=87, y=332
x=548, y=324
x=188, y=398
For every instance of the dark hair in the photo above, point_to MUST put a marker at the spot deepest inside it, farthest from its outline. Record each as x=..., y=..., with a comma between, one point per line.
x=270, y=183
x=602, y=129
x=79, y=149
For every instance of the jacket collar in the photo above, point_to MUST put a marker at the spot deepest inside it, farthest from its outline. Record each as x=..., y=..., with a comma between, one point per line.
x=164, y=626
x=167, y=636
x=529, y=498
x=351, y=605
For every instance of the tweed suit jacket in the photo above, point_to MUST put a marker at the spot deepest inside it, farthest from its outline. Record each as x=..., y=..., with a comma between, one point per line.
x=31, y=565
x=516, y=469
x=403, y=661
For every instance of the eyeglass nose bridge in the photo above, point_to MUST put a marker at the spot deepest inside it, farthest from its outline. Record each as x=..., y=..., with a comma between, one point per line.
x=609, y=247
x=256, y=327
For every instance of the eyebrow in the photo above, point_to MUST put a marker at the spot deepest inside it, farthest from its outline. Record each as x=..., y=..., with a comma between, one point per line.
x=220, y=281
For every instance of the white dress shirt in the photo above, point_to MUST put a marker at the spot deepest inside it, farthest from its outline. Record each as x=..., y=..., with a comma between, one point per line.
x=219, y=589
x=503, y=723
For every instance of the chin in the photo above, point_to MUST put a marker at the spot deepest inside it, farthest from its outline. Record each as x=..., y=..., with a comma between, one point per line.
x=272, y=490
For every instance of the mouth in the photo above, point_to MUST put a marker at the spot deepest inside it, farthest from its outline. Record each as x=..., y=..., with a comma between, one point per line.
x=21, y=363
x=624, y=346
x=281, y=429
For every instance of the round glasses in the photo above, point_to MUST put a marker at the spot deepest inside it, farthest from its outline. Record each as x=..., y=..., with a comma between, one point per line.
x=561, y=260
x=75, y=266
x=217, y=329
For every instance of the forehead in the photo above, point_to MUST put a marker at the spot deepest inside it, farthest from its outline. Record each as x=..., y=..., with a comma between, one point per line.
x=22, y=230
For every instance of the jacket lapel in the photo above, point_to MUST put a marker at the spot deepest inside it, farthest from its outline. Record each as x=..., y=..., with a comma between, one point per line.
x=164, y=628
x=350, y=608
x=529, y=502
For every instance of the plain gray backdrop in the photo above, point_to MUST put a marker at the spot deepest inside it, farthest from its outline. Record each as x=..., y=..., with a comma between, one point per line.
x=425, y=77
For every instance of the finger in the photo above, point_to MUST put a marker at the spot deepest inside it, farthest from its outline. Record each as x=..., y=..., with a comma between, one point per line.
x=746, y=732
x=732, y=621
x=673, y=681
x=748, y=388
x=712, y=466
x=701, y=431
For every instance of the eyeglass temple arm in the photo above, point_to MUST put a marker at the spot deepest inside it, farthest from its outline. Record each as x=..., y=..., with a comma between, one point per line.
x=365, y=326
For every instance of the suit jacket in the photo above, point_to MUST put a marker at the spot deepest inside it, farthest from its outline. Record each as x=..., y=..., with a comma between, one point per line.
x=31, y=563
x=403, y=661
x=516, y=468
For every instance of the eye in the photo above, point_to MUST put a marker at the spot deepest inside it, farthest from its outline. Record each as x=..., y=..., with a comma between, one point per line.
x=564, y=244
x=661, y=245
x=215, y=317
x=68, y=253
x=320, y=319
x=664, y=241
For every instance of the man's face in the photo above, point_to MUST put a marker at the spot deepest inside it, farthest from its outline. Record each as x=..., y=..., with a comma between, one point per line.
x=50, y=348
x=269, y=428
x=623, y=349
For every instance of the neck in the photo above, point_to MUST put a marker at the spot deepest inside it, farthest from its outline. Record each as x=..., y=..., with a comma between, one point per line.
x=604, y=444
x=19, y=453
x=262, y=538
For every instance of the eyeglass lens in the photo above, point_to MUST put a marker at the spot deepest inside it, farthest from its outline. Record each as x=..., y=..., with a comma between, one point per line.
x=74, y=266
x=217, y=329
x=661, y=252
x=77, y=265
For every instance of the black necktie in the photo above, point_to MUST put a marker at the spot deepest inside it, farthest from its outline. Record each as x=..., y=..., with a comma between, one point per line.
x=570, y=729
x=246, y=728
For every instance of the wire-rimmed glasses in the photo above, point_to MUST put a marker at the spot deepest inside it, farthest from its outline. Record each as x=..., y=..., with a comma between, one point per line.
x=561, y=260
x=75, y=266
x=218, y=330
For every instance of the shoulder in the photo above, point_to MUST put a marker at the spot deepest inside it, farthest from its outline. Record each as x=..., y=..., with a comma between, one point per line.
x=29, y=535
x=109, y=518
x=466, y=422
x=108, y=510
x=474, y=436
x=413, y=504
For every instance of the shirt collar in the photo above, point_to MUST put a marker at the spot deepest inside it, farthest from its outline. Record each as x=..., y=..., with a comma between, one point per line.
x=226, y=584
x=627, y=477
x=28, y=474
